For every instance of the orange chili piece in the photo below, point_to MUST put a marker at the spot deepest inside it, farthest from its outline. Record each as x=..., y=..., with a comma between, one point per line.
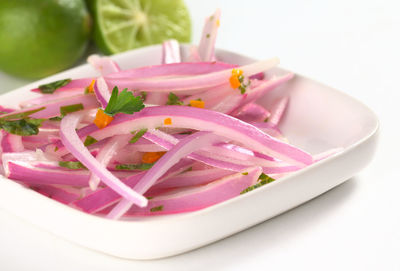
x=102, y=119
x=196, y=103
x=90, y=88
x=151, y=157
x=167, y=121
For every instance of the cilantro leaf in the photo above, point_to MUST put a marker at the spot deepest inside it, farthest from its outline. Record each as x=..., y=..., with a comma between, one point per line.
x=144, y=166
x=21, y=115
x=123, y=102
x=64, y=110
x=51, y=87
x=157, y=208
x=263, y=179
x=89, y=141
x=22, y=127
x=71, y=164
x=173, y=99
x=138, y=135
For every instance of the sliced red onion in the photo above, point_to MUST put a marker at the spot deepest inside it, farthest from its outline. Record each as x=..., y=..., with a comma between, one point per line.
x=167, y=141
x=72, y=142
x=171, y=69
x=106, y=154
x=10, y=142
x=105, y=197
x=203, y=119
x=267, y=128
x=74, y=84
x=63, y=195
x=183, y=148
x=262, y=88
x=208, y=37
x=192, y=178
x=202, y=81
x=277, y=110
x=102, y=92
x=52, y=108
x=50, y=98
x=252, y=112
x=212, y=96
x=199, y=197
x=170, y=52
x=104, y=65
x=26, y=173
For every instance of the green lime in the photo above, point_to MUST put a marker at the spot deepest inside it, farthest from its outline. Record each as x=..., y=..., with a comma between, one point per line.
x=121, y=25
x=42, y=37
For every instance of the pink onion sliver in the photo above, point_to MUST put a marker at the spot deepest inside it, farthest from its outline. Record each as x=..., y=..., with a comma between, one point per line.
x=62, y=195
x=170, y=52
x=183, y=148
x=49, y=98
x=105, y=197
x=200, y=197
x=102, y=92
x=26, y=173
x=262, y=88
x=208, y=37
x=106, y=153
x=72, y=142
x=52, y=108
x=171, y=69
x=167, y=141
x=76, y=83
x=104, y=65
x=201, y=119
x=192, y=178
x=201, y=81
x=277, y=110
x=252, y=112
x=10, y=142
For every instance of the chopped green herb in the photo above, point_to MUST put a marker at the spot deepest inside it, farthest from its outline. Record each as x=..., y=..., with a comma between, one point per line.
x=262, y=180
x=71, y=164
x=87, y=91
x=245, y=173
x=266, y=120
x=266, y=178
x=144, y=166
x=157, y=208
x=207, y=36
x=149, y=197
x=123, y=102
x=22, y=127
x=186, y=133
x=56, y=148
x=51, y=87
x=3, y=112
x=22, y=115
x=64, y=110
x=58, y=118
x=89, y=141
x=173, y=99
x=138, y=135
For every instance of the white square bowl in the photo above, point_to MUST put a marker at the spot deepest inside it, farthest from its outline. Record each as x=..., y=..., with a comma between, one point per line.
x=318, y=118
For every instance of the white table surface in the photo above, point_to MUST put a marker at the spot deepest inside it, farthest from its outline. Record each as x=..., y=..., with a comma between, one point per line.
x=353, y=46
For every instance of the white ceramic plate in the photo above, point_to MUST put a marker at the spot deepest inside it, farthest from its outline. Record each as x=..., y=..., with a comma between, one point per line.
x=318, y=118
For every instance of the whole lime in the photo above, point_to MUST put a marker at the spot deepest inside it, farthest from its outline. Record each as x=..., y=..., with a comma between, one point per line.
x=42, y=37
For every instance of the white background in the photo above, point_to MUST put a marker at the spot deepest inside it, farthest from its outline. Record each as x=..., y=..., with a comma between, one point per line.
x=353, y=46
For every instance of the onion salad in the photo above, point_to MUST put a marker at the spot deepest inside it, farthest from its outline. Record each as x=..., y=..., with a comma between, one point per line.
x=164, y=139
